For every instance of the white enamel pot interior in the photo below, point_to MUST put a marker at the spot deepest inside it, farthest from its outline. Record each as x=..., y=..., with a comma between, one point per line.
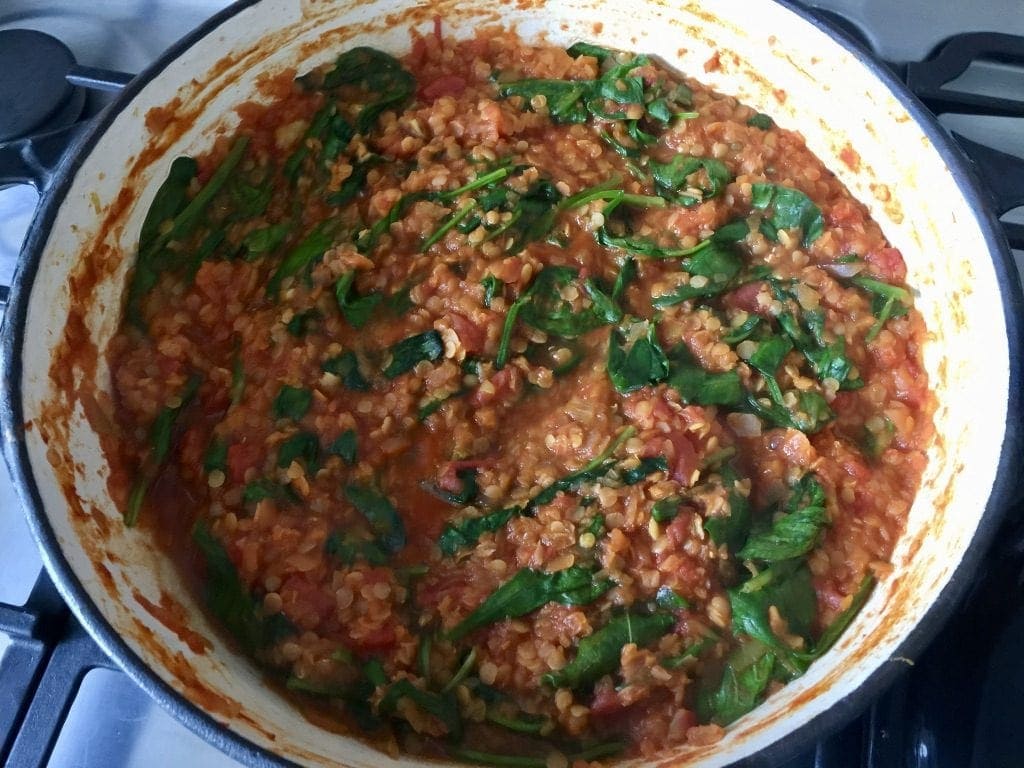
x=67, y=299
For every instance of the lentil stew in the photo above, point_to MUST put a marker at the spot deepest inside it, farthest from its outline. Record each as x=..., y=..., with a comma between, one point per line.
x=508, y=402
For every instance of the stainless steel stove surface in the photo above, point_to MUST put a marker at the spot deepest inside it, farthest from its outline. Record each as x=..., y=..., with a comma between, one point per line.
x=64, y=705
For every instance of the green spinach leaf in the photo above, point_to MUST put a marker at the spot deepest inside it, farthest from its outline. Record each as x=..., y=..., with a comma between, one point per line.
x=383, y=518
x=408, y=352
x=789, y=208
x=599, y=654
x=674, y=178
x=639, y=364
x=345, y=446
x=304, y=446
x=292, y=403
x=527, y=591
x=697, y=385
x=712, y=270
x=346, y=367
x=467, y=532
x=229, y=600
x=356, y=309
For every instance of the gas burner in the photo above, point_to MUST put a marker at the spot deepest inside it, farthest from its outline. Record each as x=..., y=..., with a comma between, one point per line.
x=35, y=95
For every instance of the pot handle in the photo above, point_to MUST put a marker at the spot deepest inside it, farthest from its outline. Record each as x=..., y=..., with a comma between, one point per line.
x=1003, y=174
x=35, y=160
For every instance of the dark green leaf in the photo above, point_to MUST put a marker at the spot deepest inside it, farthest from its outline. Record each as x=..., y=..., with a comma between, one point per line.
x=466, y=533
x=317, y=131
x=399, y=302
x=444, y=707
x=345, y=446
x=304, y=446
x=789, y=208
x=346, y=367
x=879, y=288
x=462, y=672
x=379, y=75
x=842, y=621
x=348, y=550
x=589, y=49
x=718, y=263
x=292, y=403
x=762, y=121
x=154, y=259
x=564, y=98
x=627, y=274
x=731, y=529
x=792, y=594
x=594, y=469
x=303, y=255
x=599, y=653
x=367, y=241
x=666, y=509
x=433, y=406
x=745, y=677
x=380, y=513
x=534, y=215
x=356, y=309
x=170, y=198
x=646, y=466
x=303, y=322
x=449, y=222
x=770, y=353
x=668, y=599
x=408, y=352
x=810, y=414
x=188, y=218
x=645, y=247
x=352, y=185
x=258, y=490
x=521, y=723
x=229, y=600
x=596, y=526
x=875, y=443
x=467, y=476
x=527, y=591
x=507, y=327
x=673, y=178
x=697, y=385
x=795, y=532
x=544, y=308
x=792, y=535
x=642, y=364
x=827, y=359
x=265, y=240
x=160, y=435
x=492, y=287
x=216, y=456
x=693, y=651
x=888, y=301
x=163, y=425
x=742, y=331
x=732, y=232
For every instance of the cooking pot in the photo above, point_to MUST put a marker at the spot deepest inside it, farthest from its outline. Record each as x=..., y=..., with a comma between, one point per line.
x=67, y=297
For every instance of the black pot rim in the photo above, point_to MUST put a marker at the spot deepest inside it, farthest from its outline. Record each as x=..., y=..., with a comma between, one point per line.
x=1004, y=489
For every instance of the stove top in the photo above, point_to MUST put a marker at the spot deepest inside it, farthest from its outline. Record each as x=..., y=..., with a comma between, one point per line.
x=63, y=704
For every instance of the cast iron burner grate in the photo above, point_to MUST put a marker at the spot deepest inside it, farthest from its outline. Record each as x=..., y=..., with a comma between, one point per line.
x=954, y=707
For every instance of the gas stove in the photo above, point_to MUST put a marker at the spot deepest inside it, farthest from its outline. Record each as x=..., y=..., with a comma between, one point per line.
x=64, y=704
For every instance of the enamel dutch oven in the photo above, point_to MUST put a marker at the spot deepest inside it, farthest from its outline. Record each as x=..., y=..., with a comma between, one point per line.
x=855, y=116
